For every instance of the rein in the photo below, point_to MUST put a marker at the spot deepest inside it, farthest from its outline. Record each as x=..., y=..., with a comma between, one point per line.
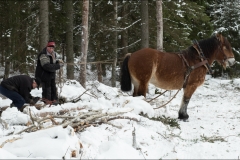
x=168, y=101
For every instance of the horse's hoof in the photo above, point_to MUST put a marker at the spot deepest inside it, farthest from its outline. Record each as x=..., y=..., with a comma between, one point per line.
x=184, y=118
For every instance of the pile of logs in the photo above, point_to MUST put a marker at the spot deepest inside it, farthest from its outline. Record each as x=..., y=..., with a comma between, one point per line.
x=79, y=122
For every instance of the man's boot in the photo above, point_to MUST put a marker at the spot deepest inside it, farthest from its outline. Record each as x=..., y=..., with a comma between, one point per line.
x=55, y=102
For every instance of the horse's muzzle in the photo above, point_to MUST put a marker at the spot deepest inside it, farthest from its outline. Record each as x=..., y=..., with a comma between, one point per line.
x=230, y=61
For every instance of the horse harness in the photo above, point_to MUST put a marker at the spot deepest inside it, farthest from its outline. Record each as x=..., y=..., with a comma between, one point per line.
x=204, y=62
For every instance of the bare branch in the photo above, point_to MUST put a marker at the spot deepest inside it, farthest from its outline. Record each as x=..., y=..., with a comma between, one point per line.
x=9, y=140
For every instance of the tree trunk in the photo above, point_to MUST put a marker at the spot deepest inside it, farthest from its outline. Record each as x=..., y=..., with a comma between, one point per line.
x=20, y=39
x=69, y=39
x=124, y=37
x=97, y=47
x=84, y=46
x=44, y=24
x=115, y=44
x=144, y=26
x=99, y=72
x=7, y=50
x=159, y=25
x=7, y=59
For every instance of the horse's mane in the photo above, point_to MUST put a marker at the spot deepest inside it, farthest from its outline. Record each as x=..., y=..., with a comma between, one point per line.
x=208, y=47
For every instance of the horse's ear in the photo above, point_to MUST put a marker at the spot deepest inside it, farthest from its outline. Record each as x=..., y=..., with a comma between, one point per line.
x=219, y=37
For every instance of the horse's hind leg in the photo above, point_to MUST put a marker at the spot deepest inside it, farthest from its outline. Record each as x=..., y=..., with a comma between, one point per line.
x=188, y=91
x=142, y=89
x=135, y=91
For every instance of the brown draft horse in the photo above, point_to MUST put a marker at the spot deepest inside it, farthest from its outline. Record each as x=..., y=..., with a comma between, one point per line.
x=170, y=71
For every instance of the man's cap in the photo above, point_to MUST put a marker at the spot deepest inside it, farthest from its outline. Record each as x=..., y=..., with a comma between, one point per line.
x=51, y=44
x=38, y=81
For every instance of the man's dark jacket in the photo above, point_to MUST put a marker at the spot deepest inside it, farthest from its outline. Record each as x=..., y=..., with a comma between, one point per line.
x=22, y=84
x=47, y=71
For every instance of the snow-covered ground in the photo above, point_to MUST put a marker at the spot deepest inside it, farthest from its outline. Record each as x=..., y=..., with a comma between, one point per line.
x=213, y=129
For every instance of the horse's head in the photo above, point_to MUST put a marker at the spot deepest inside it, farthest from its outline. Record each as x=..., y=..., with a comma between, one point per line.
x=224, y=55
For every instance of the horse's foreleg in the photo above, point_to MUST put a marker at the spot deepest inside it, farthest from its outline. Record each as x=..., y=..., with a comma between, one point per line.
x=188, y=91
x=182, y=114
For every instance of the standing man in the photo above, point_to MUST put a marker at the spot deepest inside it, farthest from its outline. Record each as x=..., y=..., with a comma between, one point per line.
x=47, y=64
x=18, y=88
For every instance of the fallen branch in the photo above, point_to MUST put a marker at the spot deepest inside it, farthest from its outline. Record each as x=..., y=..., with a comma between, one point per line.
x=9, y=140
x=26, y=129
x=78, y=118
x=60, y=112
x=79, y=97
x=4, y=124
x=123, y=117
x=119, y=127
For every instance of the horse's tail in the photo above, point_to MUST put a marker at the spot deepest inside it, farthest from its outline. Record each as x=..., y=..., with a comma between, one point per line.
x=125, y=80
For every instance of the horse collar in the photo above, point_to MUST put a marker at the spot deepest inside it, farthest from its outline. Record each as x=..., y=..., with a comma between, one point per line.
x=202, y=57
x=204, y=62
x=190, y=68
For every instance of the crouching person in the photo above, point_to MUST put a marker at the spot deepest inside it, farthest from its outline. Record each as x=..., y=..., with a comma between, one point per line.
x=18, y=88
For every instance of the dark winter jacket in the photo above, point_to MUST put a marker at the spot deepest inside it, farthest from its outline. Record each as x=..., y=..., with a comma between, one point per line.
x=46, y=66
x=22, y=84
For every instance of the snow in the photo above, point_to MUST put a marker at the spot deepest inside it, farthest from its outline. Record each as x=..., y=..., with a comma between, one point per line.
x=212, y=131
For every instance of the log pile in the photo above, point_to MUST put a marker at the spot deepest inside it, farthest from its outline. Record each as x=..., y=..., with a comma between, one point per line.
x=79, y=122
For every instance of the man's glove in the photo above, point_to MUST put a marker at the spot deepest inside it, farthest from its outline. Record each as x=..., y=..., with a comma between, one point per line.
x=61, y=63
x=34, y=100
